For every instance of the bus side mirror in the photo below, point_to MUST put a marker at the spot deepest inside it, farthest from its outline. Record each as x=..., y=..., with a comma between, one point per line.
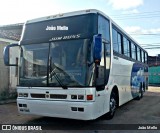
x=97, y=55
x=6, y=55
x=97, y=51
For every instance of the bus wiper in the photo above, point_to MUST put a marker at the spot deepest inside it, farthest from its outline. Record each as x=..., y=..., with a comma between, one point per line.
x=55, y=75
x=58, y=80
x=67, y=75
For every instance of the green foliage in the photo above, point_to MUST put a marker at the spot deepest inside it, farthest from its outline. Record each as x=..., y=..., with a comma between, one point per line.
x=5, y=94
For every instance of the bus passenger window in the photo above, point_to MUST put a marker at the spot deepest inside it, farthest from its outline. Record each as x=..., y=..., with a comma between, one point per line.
x=120, y=43
x=146, y=56
x=142, y=55
x=133, y=48
x=138, y=54
x=114, y=37
x=126, y=47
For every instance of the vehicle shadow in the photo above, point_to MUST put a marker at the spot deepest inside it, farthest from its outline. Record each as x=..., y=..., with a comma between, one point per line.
x=154, y=85
x=51, y=123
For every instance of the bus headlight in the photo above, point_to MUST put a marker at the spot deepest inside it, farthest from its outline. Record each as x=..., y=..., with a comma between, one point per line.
x=22, y=94
x=77, y=97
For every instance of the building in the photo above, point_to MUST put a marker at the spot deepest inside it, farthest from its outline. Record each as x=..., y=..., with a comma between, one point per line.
x=154, y=70
x=154, y=75
x=154, y=60
x=8, y=77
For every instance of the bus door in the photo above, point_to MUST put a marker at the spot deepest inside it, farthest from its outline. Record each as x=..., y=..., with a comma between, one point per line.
x=100, y=81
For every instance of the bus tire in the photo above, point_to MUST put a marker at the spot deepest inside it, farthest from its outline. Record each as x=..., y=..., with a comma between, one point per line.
x=144, y=87
x=113, y=106
x=140, y=93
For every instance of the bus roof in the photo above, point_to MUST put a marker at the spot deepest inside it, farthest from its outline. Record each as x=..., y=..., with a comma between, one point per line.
x=61, y=15
x=81, y=12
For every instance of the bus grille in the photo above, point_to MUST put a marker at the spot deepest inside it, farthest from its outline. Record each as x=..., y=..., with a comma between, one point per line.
x=58, y=96
x=51, y=96
x=38, y=95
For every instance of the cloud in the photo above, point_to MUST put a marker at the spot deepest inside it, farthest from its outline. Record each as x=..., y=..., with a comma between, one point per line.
x=139, y=30
x=134, y=11
x=133, y=29
x=125, y=4
x=18, y=11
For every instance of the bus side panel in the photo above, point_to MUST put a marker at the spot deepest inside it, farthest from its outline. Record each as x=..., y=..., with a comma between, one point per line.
x=138, y=78
x=121, y=73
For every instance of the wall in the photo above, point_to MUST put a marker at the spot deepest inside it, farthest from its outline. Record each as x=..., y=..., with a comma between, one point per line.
x=8, y=77
x=4, y=73
x=154, y=75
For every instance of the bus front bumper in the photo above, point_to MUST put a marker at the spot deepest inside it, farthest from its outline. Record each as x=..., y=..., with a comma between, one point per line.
x=60, y=109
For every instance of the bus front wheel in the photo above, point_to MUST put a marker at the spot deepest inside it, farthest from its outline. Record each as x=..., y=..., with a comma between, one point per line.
x=113, y=106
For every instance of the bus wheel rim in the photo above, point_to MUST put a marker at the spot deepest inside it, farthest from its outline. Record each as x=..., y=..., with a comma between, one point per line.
x=112, y=105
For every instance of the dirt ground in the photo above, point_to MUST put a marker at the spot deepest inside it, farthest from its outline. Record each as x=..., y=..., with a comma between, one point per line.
x=144, y=111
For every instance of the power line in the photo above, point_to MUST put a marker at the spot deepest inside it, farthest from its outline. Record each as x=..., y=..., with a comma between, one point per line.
x=132, y=16
x=146, y=34
x=152, y=48
x=124, y=18
x=136, y=13
x=151, y=43
x=155, y=13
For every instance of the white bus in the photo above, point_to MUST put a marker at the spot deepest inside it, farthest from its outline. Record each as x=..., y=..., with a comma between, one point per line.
x=78, y=65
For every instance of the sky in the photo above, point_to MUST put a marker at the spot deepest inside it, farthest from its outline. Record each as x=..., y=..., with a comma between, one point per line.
x=139, y=18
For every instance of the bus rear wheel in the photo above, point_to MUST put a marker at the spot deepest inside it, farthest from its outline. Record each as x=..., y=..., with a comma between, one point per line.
x=140, y=93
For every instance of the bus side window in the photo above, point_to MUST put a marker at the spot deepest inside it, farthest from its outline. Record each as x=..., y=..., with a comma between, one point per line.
x=114, y=38
x=120, y=43
x=142, y=54
x=146, y=56
x=103, y=27
x=108, y=52
x=102, y=58
x=133, y=48
x=108, y=60
x=126, y=47
x=117, y=41
x=138, y=54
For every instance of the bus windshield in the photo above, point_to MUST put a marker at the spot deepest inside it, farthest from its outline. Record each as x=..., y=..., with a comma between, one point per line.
x=61, y=63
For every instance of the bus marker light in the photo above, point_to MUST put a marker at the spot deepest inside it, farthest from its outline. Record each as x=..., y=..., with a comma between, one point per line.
x=25, y=95
x=20, y=94
x=74, y=108
x=87, y=10
x=73, y=96
x=80, y=97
